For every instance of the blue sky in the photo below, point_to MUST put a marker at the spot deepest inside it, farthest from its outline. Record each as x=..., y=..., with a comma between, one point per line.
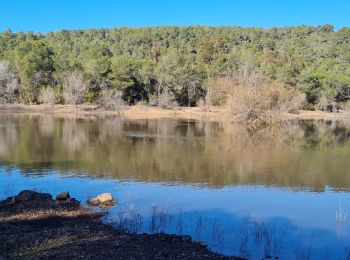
x=53, y=15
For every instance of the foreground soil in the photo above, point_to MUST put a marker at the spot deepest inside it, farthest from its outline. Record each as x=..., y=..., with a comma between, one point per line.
x=145, y=112
x=34, y=226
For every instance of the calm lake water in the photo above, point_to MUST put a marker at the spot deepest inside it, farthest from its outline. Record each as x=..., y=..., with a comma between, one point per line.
x=274, y=192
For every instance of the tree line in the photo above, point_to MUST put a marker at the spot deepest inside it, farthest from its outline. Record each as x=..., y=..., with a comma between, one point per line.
x=172, y=64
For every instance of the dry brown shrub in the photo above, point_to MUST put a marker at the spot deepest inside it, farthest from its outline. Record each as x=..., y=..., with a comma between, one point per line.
x=263, y=104
x=166, y=99
x=47, y=96
x=218, y=91
x=255, y=101
x=111, y=100
x=74, y=88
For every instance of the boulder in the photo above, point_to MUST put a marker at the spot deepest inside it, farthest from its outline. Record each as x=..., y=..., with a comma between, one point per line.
x=104, y=199
x=62, y=196
x=28, y=195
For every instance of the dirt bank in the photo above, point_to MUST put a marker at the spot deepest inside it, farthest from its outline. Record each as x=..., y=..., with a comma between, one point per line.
x=34, y=226
x=145, y=112
x=130, y=112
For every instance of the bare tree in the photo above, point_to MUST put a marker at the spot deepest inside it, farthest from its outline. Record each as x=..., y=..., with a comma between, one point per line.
x=166, y=99
x=74, y=88
x=9, y=84
x=47, y=96
x=111, y=100
x=192, y=85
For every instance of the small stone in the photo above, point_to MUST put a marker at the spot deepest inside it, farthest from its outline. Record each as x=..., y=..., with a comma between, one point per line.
x=63, y=196
x=186, y=238
x=93, y=202
x=202, y=244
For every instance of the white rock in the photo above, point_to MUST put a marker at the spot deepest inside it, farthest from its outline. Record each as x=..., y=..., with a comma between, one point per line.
x=102, y=199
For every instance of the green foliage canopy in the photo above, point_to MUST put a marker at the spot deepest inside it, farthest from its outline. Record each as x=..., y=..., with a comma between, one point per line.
x=144, y=62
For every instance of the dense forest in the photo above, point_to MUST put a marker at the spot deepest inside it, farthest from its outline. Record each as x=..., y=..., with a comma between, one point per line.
x=178, y=65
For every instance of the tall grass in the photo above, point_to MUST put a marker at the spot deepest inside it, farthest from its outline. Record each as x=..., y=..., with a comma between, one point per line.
x=341, y=216
x=248, y=238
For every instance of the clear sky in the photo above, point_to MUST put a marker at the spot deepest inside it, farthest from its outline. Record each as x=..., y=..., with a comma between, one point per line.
x=53, y=15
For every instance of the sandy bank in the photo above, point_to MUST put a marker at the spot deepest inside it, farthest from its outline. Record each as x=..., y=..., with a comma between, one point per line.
x=144, y=112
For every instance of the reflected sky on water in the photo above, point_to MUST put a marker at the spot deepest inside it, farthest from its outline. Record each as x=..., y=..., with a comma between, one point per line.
x=281, y=186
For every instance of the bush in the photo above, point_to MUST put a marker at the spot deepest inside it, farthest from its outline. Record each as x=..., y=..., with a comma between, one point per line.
x=253, y=101
x=166, y=99
x=47, y=96
x=308, y=107
x=345, y=106
x=111, y=100
x=91, y=97
x=218, y=91
x=9, y=84
x=74, y=88
x=326, y=101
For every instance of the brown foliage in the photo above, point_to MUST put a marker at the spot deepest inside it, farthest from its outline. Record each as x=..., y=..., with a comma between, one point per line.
x=218, y=91
x=253, y=100
x=74, y=88
x=47, y=96
x=261, y=105
x=111, y=100
x=166, y=99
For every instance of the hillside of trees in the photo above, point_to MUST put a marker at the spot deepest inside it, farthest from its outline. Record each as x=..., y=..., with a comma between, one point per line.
x=172, y=65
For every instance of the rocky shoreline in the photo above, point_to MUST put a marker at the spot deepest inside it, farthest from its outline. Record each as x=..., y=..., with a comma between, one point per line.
x=35, y=226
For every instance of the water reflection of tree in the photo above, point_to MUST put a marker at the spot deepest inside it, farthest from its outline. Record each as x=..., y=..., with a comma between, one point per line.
x=297, y=154
x=325, y=134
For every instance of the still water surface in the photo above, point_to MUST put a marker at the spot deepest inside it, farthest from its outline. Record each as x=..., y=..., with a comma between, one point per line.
x=275, y=192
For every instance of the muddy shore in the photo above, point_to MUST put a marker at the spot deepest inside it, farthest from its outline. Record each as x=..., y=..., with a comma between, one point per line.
x=35, y=226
